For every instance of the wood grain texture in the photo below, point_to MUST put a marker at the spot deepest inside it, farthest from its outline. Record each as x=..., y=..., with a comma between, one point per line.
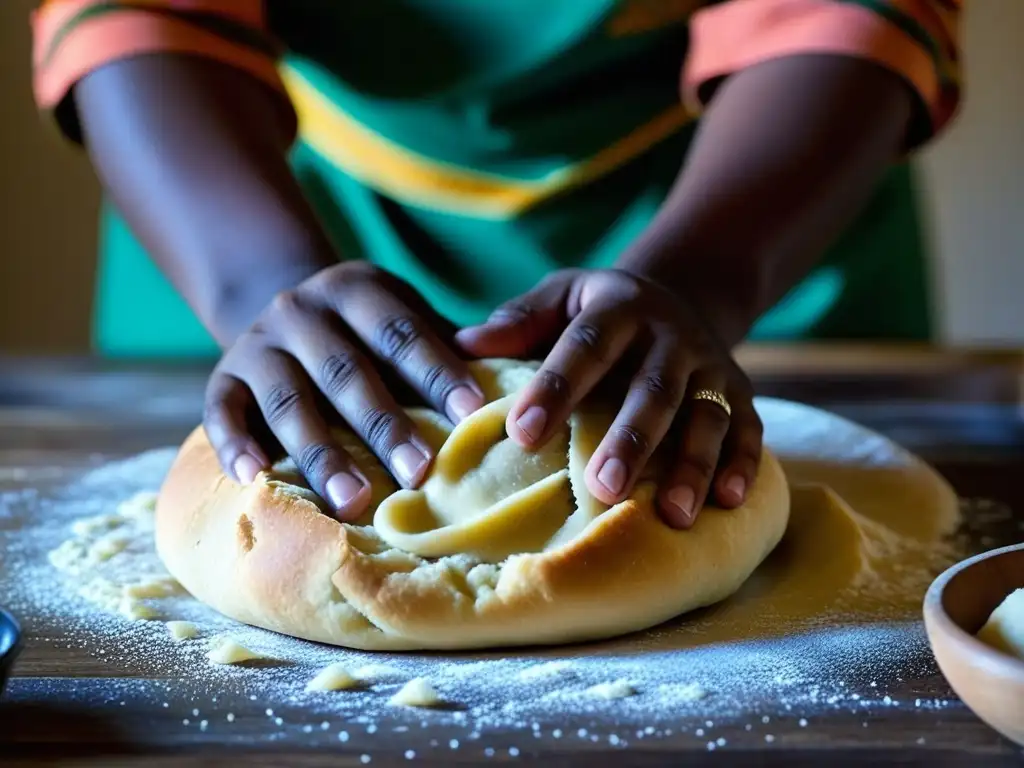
x=66, y=706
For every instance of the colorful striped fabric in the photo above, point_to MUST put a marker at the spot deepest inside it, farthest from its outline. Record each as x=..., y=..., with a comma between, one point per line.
x=471, y=147
x=917, y=38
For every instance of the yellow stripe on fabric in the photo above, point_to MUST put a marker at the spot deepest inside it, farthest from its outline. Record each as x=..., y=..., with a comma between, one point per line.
x=414, y=179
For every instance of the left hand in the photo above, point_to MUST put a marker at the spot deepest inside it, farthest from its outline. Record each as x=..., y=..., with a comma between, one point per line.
x=593, y=318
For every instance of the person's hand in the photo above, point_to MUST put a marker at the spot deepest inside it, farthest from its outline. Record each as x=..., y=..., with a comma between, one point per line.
x=600, y=320
x=309, y=358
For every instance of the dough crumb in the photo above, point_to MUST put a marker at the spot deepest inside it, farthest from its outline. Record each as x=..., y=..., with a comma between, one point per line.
x=141, y=505
x=619, y=689
x=1004, y=629
x=334, y=677
x=416, y=693
x=691, y=692
x=107, y=547
x=135, y=610
x=182, y=630
x=230, y=652
x=69, y=557
x=161, y=586
x=90, y=526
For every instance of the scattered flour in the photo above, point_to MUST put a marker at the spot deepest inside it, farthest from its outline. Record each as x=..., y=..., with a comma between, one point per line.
x=680, y=674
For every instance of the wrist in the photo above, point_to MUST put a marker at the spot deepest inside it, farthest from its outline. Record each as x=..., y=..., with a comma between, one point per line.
x=727, y=289
x=234, y=292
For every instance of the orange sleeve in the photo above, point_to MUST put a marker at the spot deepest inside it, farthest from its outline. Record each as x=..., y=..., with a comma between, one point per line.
x=74, y=37
x=917, y=39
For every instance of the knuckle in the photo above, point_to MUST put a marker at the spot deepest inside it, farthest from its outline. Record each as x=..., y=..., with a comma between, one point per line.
x=378, y=428
x=513, y=313
x=396, y=336
x=287, y=304
x=635, y=442
x=715, y=416
x=748, y=455
x=337, y=372
x=585, y=337
x=280, y=402
x=659, y=386
x=555, y=384
x=438, y=383
x=314, y=460
x=698, y=464
x=362, y=270
x=628, y=287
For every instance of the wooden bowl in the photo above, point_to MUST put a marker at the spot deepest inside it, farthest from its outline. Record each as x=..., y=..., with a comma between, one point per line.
x=10, y=644
x=957, y=605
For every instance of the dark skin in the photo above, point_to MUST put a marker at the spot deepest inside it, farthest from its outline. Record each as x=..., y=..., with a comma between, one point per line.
x=787, y=153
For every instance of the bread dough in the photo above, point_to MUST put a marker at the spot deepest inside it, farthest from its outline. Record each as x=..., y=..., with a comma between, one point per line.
x=498, y=547
x=182, y=630
x=1004, y=629
x=416, y=693
x=333, y=678
x=231, y=652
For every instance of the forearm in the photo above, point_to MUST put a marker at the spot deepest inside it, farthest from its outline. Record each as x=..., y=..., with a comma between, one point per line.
x=193, y=153
x=786, y=155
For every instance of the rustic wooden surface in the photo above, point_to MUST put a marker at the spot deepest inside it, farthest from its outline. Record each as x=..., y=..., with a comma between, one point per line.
x=960, y=412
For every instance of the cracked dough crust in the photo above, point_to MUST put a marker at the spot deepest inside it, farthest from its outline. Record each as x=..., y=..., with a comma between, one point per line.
x=498, y=547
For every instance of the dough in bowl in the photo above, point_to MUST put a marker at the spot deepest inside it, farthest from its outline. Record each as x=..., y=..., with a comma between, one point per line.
x=498, y=547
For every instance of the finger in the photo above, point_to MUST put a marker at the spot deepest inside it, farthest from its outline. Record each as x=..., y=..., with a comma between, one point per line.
x=741, y=449
x=404, y=340
x=517, y=327
x=285, y=397
x=648, y=411
x=588, y=347
x=703, y=426
x=352, y=386
x=225, y=420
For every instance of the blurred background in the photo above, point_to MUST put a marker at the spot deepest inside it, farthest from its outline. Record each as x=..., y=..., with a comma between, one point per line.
x=973, y=199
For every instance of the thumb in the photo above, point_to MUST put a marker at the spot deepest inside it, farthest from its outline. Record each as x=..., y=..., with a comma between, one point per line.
x=519, y=326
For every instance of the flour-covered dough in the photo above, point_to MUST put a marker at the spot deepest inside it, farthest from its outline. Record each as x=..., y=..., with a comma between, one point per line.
x=1004, y=629
x=499, y=546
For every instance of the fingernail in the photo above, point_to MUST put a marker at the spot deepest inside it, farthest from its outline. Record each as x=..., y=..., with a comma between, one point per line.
x=462, y=402
x=246, y=468
x=613, y=475
x=681, y=497
x=342, y=489
x=736, y=486
x=407, y=462
x=533, y=421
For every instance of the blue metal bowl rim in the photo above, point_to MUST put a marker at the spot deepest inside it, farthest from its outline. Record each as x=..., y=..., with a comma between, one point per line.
x=8, y=653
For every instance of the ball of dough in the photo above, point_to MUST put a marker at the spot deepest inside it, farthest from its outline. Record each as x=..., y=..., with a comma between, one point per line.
x=498, y=547
x=1004, y=629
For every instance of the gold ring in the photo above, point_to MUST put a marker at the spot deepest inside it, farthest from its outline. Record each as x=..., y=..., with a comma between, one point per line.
x=714, y=397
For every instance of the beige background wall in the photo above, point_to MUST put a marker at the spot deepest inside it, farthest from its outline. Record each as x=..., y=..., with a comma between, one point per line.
x=975, y=198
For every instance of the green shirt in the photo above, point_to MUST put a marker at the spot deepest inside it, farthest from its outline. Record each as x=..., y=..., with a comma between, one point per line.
x=473, y=147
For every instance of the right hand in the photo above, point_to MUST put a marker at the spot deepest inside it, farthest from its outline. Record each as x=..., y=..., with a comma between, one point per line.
x=318, y=341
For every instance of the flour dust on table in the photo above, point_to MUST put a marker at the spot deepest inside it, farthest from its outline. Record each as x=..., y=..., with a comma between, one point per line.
x=831, y=611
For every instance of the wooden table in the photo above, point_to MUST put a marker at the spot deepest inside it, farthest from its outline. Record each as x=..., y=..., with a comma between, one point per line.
x=961, y=410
